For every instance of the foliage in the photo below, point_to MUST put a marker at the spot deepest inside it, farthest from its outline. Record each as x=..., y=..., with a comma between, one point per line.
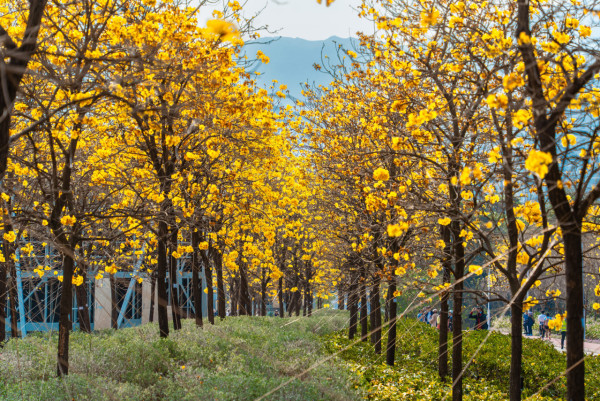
x=415, y=375
x=237, y=359
x=501, y=323
x=592, y=329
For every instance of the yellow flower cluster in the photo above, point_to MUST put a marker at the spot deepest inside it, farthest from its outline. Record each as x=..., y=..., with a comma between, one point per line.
x=476, y=269
x=68, y=220
x=381, y=174
x=537, y=162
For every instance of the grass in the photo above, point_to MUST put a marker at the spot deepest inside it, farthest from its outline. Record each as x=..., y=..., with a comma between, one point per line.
x=415, y=375
x=592, y=330
x=239, y=358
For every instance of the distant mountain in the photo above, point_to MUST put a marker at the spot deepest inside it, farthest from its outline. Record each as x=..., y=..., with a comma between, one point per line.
x=292, y=59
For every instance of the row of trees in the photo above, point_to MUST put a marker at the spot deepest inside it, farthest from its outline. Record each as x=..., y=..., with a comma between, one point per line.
x=462, y=137
x=136, y=134
x=459, y=138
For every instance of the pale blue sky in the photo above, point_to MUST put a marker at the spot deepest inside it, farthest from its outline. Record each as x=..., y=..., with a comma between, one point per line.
x=307, y=19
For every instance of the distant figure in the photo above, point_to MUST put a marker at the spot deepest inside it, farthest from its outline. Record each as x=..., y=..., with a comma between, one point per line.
x=542, y=322
x=433, y=319
x=480, y=318
x=449, y=320
x=428, y=316
x=528, y=323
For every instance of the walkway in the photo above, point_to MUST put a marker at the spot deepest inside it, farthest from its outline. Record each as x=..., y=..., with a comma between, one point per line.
x=591, y=347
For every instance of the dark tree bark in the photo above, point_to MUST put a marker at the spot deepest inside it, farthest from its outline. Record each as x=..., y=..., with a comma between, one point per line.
x=175, y=308
x=516, y=348
x=13, y=72
x=114, y=307
x=11, y=272
x=12, y=290
x=364, y=315
x=375, y=315
x=210, y=295
x=161, y=271
x=196, y=279
x=152, y=295
x=459, y=271
x=218, y=261
x=263, y=292
x=569, y=216
x=280, y=297
x=3, y=297
x=391, y=344
x=341, y=297
x=83, y=308
x=353, y=305
x=443, y=339
x=234, y=295
x=245, y=307
x=65, y=323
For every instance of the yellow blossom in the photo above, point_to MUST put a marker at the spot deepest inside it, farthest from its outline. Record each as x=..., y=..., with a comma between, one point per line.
x=381, y=174
x=537, y=162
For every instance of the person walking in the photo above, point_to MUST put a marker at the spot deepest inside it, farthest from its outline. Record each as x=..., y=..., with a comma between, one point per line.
x=542, y=322
x=433, y=319
x=563, y=331
x=530, y=323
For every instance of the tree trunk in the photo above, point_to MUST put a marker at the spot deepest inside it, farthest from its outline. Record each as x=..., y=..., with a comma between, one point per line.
x=210, y=297
x=280, y=297
x=391, y=344
x=13, y=74
x=218, y=260
x=364, y=318
x=152, y=295
x=114, y=307
x=234, y=295
x=161, y=271
x=375, y=316
x=516, y=349
x=66, y=309
x=575, y=340
x=196, y=280
x=341, y=295
x=263, y=298
x=175, y=308
x=3, y=297
x=14, y=318
x=244, y=306
x=353, y=306
x=443, y=339
x=83, y=308
x=459, y=270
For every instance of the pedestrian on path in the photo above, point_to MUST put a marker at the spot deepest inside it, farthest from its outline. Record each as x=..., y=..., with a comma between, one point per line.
x=433, y=319
x=528, y=323
x=542, y=322
x=563, y=331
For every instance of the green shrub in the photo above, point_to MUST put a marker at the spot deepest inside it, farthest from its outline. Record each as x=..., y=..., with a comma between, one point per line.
x=487, y=377
x=501, y=323
x=592, y=329
x=240, y=358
